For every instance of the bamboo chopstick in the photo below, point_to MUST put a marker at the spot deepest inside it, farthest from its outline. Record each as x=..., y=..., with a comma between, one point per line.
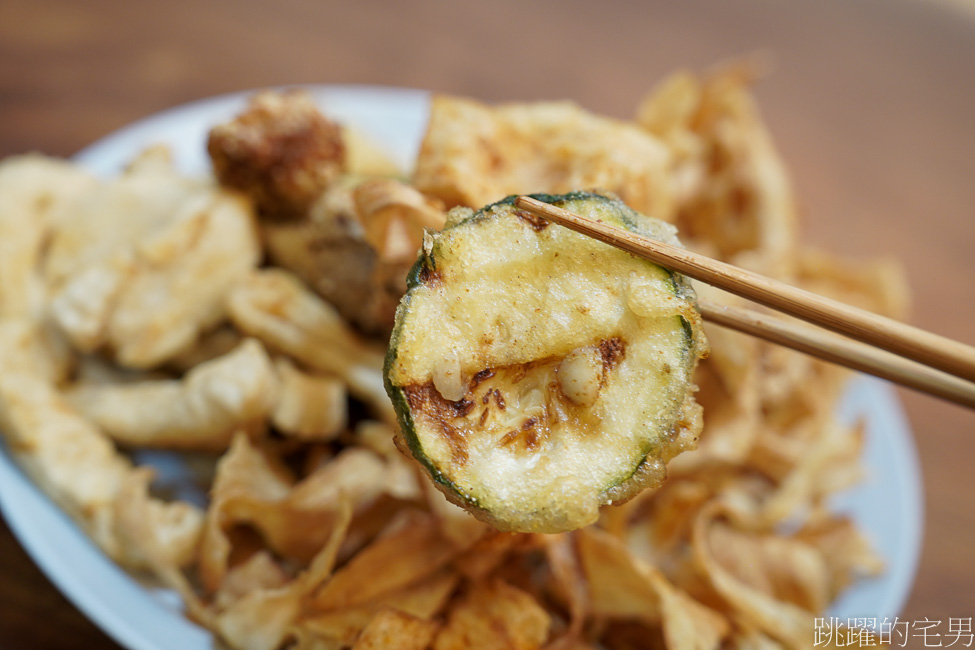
x=841, y=351
x=904, y=340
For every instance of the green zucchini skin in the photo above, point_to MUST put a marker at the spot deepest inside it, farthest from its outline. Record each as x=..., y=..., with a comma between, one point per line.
x=682, y=421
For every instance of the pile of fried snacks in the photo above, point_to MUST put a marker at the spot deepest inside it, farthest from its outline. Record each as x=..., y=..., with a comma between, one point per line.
x=242, y=319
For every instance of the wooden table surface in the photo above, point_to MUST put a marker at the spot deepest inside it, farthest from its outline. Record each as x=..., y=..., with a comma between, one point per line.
x=872, y=103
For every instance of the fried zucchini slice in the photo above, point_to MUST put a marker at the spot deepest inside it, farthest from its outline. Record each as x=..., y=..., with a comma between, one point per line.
x=539, y=374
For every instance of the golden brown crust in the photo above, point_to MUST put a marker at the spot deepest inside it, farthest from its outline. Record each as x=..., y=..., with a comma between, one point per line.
x=281, y=151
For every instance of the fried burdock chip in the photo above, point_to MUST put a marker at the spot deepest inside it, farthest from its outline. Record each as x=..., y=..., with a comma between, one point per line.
x=391, y=628
x=407, y=555
x=772, y=582
x=257, y=503
x=494, y=614
x=264, y=618
x=423, y=600
x=623, y=587
x=733, y=196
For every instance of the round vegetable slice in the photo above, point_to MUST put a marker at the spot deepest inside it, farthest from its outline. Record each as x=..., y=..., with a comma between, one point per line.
x=539, y=374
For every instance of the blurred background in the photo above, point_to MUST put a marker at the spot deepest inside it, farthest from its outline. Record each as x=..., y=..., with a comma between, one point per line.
x=872, y=104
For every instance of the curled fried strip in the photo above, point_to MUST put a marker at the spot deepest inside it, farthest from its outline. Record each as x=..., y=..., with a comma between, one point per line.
x=203, y=410
x=275, y=307
x=293, y=519
x=622, y=586
x=497, y=614
x=751, y=596
x=263, y=618
x=732, y=193
x=309, y=407
x=78, y=467
x=33, y=189
x=395, y=215
x=140, y=264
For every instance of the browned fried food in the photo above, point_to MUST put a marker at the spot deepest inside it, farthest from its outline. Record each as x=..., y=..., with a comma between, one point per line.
x=474, y=154
x=281, y=151
x=329, y=252
x=355, y=247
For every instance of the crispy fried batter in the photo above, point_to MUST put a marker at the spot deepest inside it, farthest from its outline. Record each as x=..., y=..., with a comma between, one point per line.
x=329, y=252
x=140, y=264
x=309, y=407
x=202, y=410
x=34, y=190
x=337, y=542
x=474, y=154
x=273, y=306
x=732, y=193
x=281, y=151
x=77, y=465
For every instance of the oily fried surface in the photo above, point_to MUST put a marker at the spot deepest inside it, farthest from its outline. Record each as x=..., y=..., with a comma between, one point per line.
x=281, y=151
x=137, y=265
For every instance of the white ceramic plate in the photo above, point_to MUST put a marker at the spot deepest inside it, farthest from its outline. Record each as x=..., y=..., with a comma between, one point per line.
x=887, y=505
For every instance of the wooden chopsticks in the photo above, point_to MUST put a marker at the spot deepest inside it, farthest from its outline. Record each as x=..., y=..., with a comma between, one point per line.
x=842, y=351
x=954, y=360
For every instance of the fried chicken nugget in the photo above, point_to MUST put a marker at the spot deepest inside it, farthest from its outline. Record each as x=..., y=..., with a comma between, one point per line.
x=281, y=151
x=202, y=410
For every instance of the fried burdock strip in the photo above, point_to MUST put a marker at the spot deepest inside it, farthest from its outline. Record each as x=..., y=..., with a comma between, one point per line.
x=73, y=461
x=203, y=410
x=140, y=266
x=275, y=307
x=732, y=194
x=34, y=189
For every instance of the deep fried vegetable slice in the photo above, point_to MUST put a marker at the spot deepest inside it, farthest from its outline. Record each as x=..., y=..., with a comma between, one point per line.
x=539, y=374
